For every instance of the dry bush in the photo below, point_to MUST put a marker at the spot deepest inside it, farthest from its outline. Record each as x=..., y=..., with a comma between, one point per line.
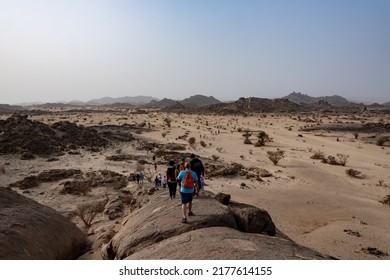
x=382, y=140
x=192, y=140
x=356, y=135
x=275, y=156
x=214, y=157
x=341, y=160
x=219, y=149
x=386, y=200
x=203, y=144
x=88, y=211
x=168, y=121
x=355, y=174
x=263, y=137
x=163, y=134
x=318, y=155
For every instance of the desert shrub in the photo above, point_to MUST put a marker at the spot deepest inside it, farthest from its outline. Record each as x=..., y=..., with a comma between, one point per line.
x=318, y=155
x=219, y=149
x=386, y=200
x=263, y=137
x=168, y=121
x=356, y=135
x=163, y=134
x=275, y=156
x=341, y=160
x=246, y=135
x=214, y=157
x=203, y=144
x=88, y=211
x=354, y=173
x=191, y=141
x=382, y=140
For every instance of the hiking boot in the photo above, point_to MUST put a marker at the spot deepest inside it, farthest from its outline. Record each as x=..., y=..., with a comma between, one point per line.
x=184, y=220
x=190, y=213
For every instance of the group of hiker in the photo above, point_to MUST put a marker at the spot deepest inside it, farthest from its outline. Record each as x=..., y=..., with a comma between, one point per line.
x=189, y=176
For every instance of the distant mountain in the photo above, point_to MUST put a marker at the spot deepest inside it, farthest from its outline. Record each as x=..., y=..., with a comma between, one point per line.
x=334, y=100
x=136, y=100
x=166, y=102
x=5, y=108
x=387, y=104
x=199, y=101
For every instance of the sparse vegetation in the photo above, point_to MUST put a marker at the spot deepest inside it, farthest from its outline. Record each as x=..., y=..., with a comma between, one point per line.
x=214, y=157
x=246, y=135
x=168, y=121
x=386, y=200
x=263, y=137
x=203, y=144
x=382, y=140
x=355, y=173
x=341, y=160
x=318, y=155
x=163, y=134
x=275, y=156
x=88, y=211
x=192, y=140
x=219, y=149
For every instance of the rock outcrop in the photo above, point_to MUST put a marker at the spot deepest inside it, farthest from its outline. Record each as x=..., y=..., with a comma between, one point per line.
x=31, y=231
x=216, y=231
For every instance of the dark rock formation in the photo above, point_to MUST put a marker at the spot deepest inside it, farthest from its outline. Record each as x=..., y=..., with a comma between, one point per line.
x=31, y=231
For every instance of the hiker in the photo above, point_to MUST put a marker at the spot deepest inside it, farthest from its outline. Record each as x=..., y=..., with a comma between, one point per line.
x=137, y=177
x=189, y=184
x=171, y=179
x=141, y=177
x=197, y=167
x=180, y=167
x=164, y=182
x=156, y=183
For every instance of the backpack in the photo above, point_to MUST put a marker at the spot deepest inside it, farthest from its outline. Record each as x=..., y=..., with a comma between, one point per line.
x=188, y=182
x=171, y=174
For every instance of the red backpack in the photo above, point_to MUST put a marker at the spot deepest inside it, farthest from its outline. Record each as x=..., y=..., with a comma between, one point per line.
x=188, y=181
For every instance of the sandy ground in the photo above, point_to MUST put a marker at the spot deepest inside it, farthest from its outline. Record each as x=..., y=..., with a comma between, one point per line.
x=317, y=205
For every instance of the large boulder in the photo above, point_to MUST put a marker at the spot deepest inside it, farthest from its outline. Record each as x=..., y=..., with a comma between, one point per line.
x=31, y=231
x=219, y=243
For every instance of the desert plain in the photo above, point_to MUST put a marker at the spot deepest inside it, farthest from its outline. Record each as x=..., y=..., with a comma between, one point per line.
x=315, y=203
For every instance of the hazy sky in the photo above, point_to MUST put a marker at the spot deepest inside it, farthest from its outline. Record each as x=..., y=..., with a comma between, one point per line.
x=79, y=50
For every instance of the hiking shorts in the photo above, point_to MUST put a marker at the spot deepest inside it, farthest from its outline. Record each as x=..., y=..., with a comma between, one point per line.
x=185, y=197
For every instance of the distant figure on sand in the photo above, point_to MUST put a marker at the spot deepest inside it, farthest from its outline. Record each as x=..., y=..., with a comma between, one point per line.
x=164, y=182
x=189, y=185
x=171, y=179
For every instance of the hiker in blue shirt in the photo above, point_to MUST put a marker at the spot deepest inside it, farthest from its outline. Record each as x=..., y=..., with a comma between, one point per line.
x=188, y=184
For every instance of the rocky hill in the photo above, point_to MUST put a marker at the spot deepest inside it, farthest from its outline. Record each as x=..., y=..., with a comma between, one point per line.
x=199, y=101
x=333, y=100
x=253, y=105
x=5, y=108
